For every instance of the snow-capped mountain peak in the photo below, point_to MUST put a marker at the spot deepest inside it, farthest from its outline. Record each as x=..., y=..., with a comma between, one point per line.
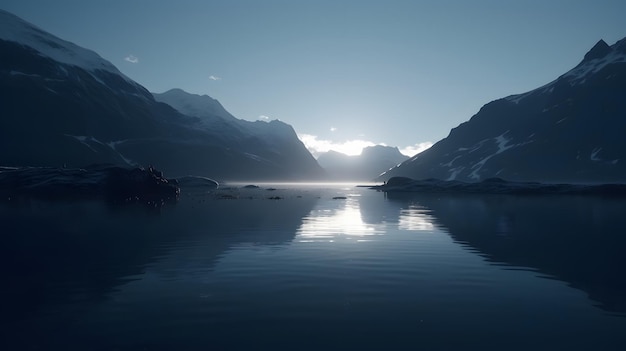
x=600, y=56
x=214, y=116
x=15, y=29
x=599, y=50
x=569, y=130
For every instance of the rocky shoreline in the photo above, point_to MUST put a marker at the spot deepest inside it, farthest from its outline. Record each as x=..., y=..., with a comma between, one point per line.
x=113, y=183
x=498, y=186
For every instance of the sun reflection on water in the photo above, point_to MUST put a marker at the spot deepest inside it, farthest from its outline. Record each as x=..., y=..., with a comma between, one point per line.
x=345, y=222
x=342, y=223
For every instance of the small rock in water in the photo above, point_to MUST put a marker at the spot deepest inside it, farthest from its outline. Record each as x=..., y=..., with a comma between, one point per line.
x=197, y=182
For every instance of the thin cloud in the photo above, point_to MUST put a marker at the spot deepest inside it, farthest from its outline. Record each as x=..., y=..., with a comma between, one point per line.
x=212, y=77
x=318, y=146
x=413, y=150
x=333, y=129
x=132, y=59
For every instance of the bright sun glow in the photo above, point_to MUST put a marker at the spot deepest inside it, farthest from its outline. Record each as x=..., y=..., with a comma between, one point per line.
x=354, y=147
x=317, y=146
x=413, y=150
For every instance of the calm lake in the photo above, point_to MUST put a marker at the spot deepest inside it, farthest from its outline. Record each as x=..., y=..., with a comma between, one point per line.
x=315, y=267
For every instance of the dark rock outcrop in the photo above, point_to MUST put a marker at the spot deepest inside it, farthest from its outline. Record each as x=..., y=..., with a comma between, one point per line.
x=107, y=182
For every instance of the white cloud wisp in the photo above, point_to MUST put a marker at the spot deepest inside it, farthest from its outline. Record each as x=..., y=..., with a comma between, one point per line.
x=353, y=147
x=131, y=58
x=413, y=150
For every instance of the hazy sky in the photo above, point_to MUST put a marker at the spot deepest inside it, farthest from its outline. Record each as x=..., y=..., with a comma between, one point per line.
x=340, y=72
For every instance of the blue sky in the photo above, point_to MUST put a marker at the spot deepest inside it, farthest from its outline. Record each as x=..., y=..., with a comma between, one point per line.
x=343, y=73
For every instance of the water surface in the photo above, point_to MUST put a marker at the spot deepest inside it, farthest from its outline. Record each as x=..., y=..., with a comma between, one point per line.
x=316, y=267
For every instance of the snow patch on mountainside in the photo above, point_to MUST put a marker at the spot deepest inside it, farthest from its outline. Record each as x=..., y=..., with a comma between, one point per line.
x=502, y=142
x=579, y=74
x=36, y=76
x=254, y=157
x=113, y=145
x=454, y=172
x=594, y=157
x=85, y=140
x=517, y=98
x=472, y=148
x=449, y=164
x=88, y=141
x=545, y=89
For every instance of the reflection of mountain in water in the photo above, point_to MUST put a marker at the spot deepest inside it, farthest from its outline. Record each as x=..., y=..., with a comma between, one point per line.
x=579, y=240
x=58, y=252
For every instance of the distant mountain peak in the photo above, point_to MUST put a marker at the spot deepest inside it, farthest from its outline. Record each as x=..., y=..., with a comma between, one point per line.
x=381, y=151
x=372, y=161
x=600, y=50
x=196, y=105
x=182, y=93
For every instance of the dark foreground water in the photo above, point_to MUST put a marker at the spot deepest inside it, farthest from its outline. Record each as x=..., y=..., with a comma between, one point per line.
x=236, y=270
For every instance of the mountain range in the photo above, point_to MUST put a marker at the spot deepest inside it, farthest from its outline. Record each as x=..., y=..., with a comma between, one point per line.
x=570, y=130
x=64, y=106
x=372, y=161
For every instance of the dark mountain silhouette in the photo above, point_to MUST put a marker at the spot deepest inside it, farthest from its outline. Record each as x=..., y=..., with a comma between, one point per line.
x=63, y=105
x=273, y=143
x=569, y=130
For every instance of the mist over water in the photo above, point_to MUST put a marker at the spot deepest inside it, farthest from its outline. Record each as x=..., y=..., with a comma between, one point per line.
x=316, y=266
